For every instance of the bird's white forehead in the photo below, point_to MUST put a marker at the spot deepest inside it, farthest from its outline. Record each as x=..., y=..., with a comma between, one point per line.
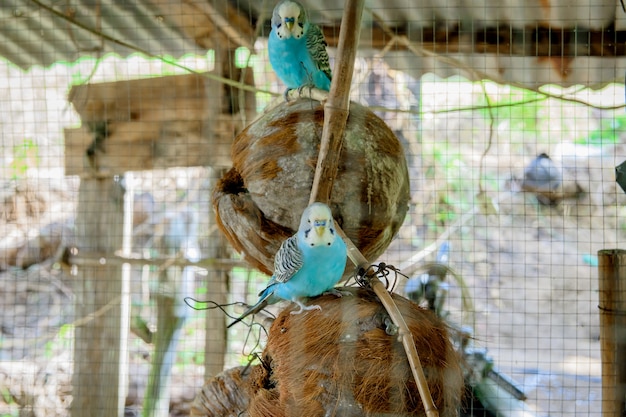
x=320, y=212
x=289, y=9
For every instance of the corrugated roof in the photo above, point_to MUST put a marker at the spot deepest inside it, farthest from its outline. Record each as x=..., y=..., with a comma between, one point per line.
x=36, y=35
x=530, y=42
x=592, y=14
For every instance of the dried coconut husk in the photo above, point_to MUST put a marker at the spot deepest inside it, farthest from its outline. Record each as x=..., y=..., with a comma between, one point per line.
x=260, y=200
x=224, y=395
x=341, y=361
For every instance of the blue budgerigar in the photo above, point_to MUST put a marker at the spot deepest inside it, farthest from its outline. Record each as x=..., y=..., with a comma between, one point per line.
x=297, y=49
x=307, y=264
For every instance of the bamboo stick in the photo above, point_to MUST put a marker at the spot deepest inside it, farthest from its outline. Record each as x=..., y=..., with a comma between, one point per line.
x=612, y=297
x=336, y=111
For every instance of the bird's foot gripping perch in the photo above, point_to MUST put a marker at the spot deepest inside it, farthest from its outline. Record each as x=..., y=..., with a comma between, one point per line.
x=305, y=91
x=305, y=308
x=310, y=86
x=288, y=92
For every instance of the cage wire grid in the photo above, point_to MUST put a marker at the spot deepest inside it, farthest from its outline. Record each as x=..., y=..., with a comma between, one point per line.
x=89, y=254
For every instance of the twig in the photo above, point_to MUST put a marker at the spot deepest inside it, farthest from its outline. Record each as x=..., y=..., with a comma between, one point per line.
x=492, y=120
x=544, y=97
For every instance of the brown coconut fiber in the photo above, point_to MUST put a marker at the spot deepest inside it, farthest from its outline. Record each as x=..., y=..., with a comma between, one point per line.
x=342, y=361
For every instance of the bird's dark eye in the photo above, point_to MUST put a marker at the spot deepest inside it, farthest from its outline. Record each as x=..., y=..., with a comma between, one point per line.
x=278, y=25
x=301, y=24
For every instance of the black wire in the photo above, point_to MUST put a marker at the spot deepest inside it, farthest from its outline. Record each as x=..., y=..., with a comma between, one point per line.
x=383, y=271
x=188, y=301
x=611, y=311
x=251, y=325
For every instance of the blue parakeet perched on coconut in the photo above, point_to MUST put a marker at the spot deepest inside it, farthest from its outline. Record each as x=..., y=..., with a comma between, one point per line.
x=307, y=264
x=297, y=49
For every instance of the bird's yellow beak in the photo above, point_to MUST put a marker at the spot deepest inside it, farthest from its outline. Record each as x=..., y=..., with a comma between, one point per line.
x=320, y=227
x=289, y=24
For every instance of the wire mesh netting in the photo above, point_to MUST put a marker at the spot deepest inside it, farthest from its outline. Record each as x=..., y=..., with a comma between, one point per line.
x=118, y=280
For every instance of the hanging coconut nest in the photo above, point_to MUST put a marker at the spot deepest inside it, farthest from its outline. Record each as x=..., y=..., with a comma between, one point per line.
x=345, y=360
x=260, y=200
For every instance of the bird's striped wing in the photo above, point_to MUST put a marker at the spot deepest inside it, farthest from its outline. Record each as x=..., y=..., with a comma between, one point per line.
x=288, y=260
x=316, y=45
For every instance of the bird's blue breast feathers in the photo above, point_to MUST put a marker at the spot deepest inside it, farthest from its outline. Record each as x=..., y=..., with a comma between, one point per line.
x=293, y=63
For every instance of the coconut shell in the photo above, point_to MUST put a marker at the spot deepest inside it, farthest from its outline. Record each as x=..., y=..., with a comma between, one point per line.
x=342, y=361
x=260, y=200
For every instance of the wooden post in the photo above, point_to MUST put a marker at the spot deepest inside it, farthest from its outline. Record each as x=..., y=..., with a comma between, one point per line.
x=216, y=337
x=242, y=104
x=612, y=297
x=98, y=372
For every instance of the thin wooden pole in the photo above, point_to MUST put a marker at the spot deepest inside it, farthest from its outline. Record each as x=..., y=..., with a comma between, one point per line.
x=105, y=259
x=612, y=297
x=337, y=106
x=216, y=335
x=336, y=111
